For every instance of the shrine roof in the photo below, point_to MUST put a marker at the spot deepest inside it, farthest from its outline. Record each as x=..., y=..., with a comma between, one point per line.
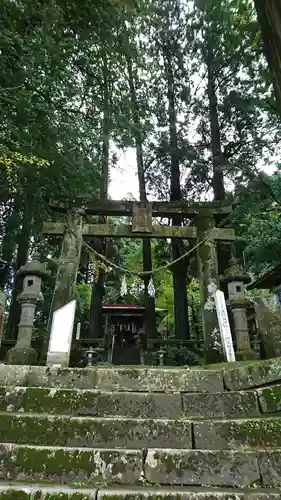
x=268, y=280
x=127, y=307
x=132, y=307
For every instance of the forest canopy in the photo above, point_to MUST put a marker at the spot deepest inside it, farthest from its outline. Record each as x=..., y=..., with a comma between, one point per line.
x=192, y=88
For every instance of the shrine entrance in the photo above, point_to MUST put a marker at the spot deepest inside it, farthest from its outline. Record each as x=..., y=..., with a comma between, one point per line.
x=202, y=224
x=124, y=333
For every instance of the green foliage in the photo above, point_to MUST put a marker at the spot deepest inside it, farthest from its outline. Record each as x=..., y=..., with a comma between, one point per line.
x=10, y=168
x=257, y=220
x=65, y=93
x=83, y=297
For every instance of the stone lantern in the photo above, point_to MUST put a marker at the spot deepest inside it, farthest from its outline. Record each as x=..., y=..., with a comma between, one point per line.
x=32, y=272
x=235, y=278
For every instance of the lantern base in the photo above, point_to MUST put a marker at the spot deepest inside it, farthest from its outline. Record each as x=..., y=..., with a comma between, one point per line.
x=22, y=356
x=246, y=355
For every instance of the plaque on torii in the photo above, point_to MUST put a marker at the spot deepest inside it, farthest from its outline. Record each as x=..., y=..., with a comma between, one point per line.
x=142, y=218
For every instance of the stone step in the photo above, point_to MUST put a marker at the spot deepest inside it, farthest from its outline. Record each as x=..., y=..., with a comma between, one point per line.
x=190, y=493
x=214, y=468
x=39, y=492
x=71, y=466
x=241, y=433
x=13, y=491
x=39, y=429
x=114, y=379
x=91, y=432
x=252, y=374
x=129, y=404
x=270, y=398
x=96, y=467
x=119, y=432
x=233, y=376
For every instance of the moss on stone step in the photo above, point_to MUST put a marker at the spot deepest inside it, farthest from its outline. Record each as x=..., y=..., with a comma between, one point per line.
x=14, y=495
x=91, y=402
x=270, y=467
x=270, y=398
x=251, y=375
x=186, y=494
x=209, y=468
x=66, y=465
x=160, y=380
x=238, y=434
x=94, y=432
x=13, y=375
x=78, y=402
x=33, y=493
x=225, y=404
x=118, y=379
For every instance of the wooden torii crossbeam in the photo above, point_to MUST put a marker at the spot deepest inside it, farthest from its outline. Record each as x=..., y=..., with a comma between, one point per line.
x=124, y=230
x=142, y=225
x=117, y=208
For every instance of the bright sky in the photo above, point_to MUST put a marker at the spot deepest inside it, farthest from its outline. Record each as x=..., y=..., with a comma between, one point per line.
x=123, y=179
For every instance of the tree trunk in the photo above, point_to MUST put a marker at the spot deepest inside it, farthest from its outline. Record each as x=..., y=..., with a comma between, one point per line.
x=150, y=317
x=207, y=262
x=21, y=259
x=179, y=269
x=68, y=266
x=223, y=249
x=217, y=157
x=269, y=16
x=95, y=321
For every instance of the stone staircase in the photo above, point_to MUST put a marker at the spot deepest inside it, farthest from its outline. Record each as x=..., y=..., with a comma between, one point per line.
x=141, y=433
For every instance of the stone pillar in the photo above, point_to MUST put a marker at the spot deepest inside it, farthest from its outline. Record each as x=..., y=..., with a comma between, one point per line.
x=68, y=264
x=32, y=273
x=209, y=281
x=235, y=278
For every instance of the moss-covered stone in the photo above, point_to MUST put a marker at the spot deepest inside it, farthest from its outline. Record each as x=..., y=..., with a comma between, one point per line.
x=251, y=375
x=22, y=356
x=32, y=493
x=270, y=467
x=270, y=398
x=55, y=493
x=12, y=375
x=185, y=494
x=159, y=380
x=212, y=468
x=94, y=432
x=225, y=404
x=51, y=401
x=67, y=465
x=14, y=495
x=92, y=403
x=118, y=379
x=138, y=405
x=234, y=434
x=65, y=378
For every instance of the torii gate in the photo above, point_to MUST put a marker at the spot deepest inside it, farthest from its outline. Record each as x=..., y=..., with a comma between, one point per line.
x=202, y=214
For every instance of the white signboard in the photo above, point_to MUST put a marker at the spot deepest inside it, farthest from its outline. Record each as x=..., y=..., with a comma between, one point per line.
x=61, y=334
x=224, y=326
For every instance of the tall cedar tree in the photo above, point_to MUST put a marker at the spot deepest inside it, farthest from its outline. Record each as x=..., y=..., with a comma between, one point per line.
x=269, y=16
